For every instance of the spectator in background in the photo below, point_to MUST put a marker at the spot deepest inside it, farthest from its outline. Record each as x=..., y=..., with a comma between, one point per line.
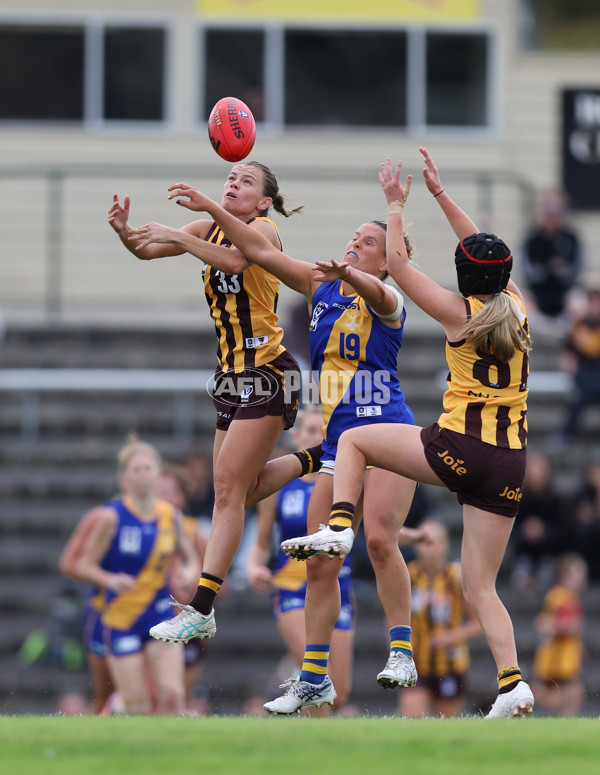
x=536, y=538
x=552, y=256
x=442, y=625
x=201, y=496
x=558, y=659
x=581, y=359
x=587, y=516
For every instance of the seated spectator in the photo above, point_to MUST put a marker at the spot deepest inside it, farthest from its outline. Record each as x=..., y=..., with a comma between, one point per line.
x=587, y=516
x=581, y=359
x=552, y=256
x=536, y=537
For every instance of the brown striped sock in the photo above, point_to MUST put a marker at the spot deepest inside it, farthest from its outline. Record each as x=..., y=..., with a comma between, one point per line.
x=205, y=593
x=508, y=679
x=310, y=459
x=342, y=514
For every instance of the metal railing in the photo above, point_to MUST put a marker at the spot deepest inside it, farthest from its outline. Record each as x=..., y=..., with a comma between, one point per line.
x=184, y=384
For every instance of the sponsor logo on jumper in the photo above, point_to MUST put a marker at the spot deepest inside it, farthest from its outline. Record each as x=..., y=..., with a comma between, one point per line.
x=317, y=312
x=352, y=314
x=368, y=411
x=255, y=341
x=512, y=495
x=456, y=464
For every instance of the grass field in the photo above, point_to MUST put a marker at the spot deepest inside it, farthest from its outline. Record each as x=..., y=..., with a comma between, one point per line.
x=92, y=745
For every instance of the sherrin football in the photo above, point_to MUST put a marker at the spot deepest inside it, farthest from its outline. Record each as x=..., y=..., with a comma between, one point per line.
x=231, y=129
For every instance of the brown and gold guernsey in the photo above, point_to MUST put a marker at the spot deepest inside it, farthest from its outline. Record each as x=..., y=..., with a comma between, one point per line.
x=486, y=397
x=437, y=605
x=243, y=307
x=559, y=658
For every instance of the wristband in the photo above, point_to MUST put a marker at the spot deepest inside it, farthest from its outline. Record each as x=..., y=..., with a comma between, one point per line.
x=397, y=206
x=438, y=193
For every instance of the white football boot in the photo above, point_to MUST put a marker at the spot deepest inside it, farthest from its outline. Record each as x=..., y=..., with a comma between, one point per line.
x=335, y=543
x=301, y=694
x=188, y=624
x=518, y=703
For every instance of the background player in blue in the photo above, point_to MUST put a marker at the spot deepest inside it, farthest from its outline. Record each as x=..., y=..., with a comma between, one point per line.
x=281, y=516
x=128, y=555
x=356, y=333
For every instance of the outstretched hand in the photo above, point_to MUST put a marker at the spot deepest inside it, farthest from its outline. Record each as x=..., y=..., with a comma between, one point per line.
x=118, y=215
x=430, y=173
x=151, y=232
x=328, y=271
x=392, y=184
x=196, y=200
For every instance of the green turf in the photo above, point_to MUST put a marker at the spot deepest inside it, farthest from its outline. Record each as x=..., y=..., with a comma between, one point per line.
x=65, y=745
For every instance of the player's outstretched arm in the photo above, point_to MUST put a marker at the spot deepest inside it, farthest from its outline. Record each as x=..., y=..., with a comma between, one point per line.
x=249, y=239
x=186, y=241
x=379, y=296
x=438, y=302
x=461, y=223
x=118, y=218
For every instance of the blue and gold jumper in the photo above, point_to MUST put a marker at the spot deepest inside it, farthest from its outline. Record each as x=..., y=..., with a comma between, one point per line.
x=143, y=548
x=355, y=355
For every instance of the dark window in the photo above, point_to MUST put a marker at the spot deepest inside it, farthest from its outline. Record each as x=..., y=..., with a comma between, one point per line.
x=41, y=73
x=134, y=73
x=345, y=77
x=234, y=68
x=562, y=24
x=456, y=80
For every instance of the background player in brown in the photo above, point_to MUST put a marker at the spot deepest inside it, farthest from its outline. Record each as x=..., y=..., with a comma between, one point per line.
x=442, y=624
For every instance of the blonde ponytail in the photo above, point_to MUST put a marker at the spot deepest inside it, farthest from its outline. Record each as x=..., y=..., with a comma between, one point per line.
x=497, y=328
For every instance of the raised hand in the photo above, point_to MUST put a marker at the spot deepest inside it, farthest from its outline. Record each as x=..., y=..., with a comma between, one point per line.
x=118, y=215
x=431, y=175
x=391, y=183
x=328, y=271
x=195, y=200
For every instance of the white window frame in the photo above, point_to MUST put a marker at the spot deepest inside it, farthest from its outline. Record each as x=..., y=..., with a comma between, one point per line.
x=93, y=25
x=416, y=75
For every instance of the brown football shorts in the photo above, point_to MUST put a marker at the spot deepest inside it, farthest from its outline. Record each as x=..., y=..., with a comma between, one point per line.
x=481, y=475
x=272, y=389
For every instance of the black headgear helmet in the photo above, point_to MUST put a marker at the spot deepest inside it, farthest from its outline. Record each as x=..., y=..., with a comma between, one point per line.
x=483, y=264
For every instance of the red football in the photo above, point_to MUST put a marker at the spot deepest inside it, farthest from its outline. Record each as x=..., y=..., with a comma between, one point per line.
x=231, y=129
